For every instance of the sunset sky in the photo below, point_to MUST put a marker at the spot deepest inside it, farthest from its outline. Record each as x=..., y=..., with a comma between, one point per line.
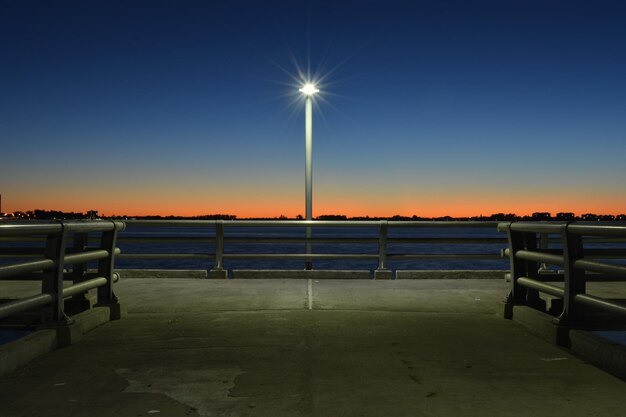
x=430, y=108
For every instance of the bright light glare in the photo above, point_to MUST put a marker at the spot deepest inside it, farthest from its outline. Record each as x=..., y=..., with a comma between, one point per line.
x=309, y=89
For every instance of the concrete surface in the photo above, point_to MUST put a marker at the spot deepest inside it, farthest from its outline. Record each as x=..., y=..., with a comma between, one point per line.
x=22, y=351
x=613, y=357
x=276, y=348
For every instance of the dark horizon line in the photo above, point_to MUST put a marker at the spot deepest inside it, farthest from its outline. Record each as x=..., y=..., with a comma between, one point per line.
x=537, y=216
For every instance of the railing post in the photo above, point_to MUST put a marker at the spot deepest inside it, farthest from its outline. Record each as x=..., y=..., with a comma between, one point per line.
x=80, y=245
x=532, y=271
x=82, y=301
x=575, y=282
x=518, y=294
x=518, y=267
x=543, y=244
x=52, y=283
x=219, y=245
x=382, y=245
x=218, y=270
x=381, y=271
x=308, y=264
x=106, y=296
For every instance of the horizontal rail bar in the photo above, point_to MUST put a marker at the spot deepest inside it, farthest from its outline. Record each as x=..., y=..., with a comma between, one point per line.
x=91, y=275
x=391, y=239
x=368, y=240
x=26, y=267
x=302, y=255
x=316, y=223
x=541, y=286
x=600, y=267
x=203, y=239
x=84, y=286
x=29, y=228
x=37, y=276
x=25, y=304
x=166, y=256
x=171, y=223
x=446, y=240
x=589, y=253
x=82, y=257
x=79, y=226
x=612, y=229
x=14, y=238
x=13, y=228
x=534, y=227
x=69, y=258
x=538, y=256
x=273, y=240
x=298, y=256
x=172, y=239
x=601, y=304
x=597, y=230
x=444, y=224
x=399, y=256
x=300, y=223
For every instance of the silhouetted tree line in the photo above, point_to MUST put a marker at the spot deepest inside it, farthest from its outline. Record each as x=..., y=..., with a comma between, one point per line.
x=202, y=217
x=48, y=215
x=538, y=216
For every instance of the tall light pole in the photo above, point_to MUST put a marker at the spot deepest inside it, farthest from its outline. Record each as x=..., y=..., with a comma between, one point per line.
x=308, y=90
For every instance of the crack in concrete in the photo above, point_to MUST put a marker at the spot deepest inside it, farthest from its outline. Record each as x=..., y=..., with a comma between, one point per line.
x=204, y=390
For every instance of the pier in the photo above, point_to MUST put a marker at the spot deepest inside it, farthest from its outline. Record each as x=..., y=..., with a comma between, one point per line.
x=312, y=345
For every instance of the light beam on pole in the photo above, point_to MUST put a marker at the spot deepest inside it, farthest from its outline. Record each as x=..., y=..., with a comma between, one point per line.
x=308, y=90
x=308, y=151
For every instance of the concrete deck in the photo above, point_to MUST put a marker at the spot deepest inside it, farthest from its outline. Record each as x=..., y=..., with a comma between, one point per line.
x=324, y=348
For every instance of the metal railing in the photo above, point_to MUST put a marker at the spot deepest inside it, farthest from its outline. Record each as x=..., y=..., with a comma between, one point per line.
x=371, y=240
x=573, y=247
x=65, y=245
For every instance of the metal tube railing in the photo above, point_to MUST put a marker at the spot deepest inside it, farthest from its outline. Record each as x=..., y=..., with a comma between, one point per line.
x=602, y=304
x=377, y=248
x=298, y=256
x=525, y=260
x=26, y=267
x=541, y=286
x=537, y=256
x=57, y=255
x=93, y=255
x=84, y=286
x=24, y=304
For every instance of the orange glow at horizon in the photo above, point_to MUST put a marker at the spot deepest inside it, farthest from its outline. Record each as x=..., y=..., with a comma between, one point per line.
x=275, y=205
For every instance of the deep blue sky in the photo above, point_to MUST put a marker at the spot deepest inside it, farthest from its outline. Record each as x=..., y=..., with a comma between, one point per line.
x=427, y=108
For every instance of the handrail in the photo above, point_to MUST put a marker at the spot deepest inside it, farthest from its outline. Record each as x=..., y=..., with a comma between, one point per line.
x=44, y=264
x=573, y=254
x=316, y=223
x=52, y=260
x=378, y=237
x=17, y=228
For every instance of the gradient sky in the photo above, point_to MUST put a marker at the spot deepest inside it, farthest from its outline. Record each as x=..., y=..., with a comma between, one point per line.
x=429, y=108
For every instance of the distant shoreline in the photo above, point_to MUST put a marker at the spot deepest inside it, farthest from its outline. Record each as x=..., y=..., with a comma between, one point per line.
x=93, y=214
